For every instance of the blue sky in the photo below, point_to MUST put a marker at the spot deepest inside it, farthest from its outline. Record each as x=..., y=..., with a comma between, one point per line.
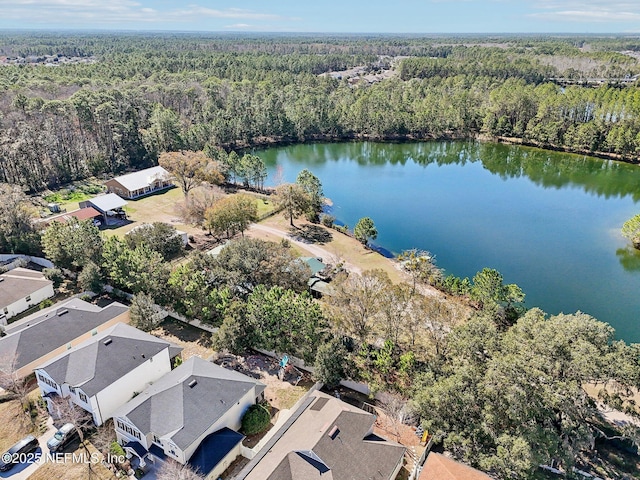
x=377, y=16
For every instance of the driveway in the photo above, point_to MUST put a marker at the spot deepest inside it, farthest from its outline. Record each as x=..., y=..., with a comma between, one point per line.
x=314, y=250
x=24, y=470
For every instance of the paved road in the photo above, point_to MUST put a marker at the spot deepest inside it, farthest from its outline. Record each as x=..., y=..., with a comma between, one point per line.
x=23, y=471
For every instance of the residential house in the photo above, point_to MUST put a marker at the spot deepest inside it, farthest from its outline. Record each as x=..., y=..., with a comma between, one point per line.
x=87, y=213
x=440, y=467
x=108, y=205
x=319, y=281
x=191, y=415
x=136, y=184
x=101, y=374
x=326, y=438
x=21, y=289
x=48, y=333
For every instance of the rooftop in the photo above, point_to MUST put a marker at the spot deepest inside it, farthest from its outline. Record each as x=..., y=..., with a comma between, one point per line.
x=81, y=214
x=213, y=449
x=143, y=178
x=30, y=340
x=19, y=283
x=315, y=264
x=106, y=202
x=187, y=401
x=439, y=467
x=326, y=439
x=98, y=362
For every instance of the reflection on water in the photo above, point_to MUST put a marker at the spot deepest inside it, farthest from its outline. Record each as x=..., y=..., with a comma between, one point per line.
x=543, y=219
x=629, y=258
x=545, y=168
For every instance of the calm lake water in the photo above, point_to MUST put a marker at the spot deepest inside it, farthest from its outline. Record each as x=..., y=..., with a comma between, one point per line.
x=548, y=221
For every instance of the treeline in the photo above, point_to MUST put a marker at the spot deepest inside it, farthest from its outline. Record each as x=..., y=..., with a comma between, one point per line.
x=149, y=94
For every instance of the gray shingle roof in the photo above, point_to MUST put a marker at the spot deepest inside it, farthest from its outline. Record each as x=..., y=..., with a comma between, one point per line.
x=327, y=439
x=31, y=340
x=18, y=283
x=171, y=407
x=97, y=363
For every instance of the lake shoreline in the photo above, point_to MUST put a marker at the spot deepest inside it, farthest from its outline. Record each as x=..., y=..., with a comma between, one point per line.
x=272, y=142
x=542, y=219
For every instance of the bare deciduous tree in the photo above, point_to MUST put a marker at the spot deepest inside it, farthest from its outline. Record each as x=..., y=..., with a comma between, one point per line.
x=357, y=301
x=172, y=470
x=395, y=410
x=11, y=381
x=68, y=412
x=200, y=200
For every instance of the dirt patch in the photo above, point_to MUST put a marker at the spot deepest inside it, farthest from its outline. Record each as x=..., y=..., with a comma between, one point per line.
x=195, y=342
x=14, y=424
x=73, y=470
x=281, y=394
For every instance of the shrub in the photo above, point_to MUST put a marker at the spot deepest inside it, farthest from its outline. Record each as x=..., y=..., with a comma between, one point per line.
x=55, y=275
x=45, y=303
x=116, y=449
x=327, y=220
x=342, y=228
x=256, y=420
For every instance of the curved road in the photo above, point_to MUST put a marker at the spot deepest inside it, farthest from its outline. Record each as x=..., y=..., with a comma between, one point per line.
x=313, y=249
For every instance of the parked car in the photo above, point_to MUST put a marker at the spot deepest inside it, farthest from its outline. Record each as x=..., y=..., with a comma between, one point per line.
x=12, y=456
x=62, y=437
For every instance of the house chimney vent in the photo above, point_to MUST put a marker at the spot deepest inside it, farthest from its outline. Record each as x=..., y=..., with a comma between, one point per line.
x=193, y=383
x=62, y=312
x=108, y=341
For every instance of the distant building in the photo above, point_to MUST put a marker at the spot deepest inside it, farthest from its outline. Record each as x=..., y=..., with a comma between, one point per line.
x=136, y=184
x=103, y=373
x=45, y=334
x=439, y=467
x=318, y=282
x=326, y=438
x=21, y=289
x=108, y=205
x=87, y=213
x=192, y=415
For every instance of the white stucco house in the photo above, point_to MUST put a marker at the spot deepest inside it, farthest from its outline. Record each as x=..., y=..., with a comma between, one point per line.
x=21, y=289
x=190, y=415
x=103, y=373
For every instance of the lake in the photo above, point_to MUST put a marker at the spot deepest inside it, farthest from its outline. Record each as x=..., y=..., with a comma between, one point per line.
x=548, y=221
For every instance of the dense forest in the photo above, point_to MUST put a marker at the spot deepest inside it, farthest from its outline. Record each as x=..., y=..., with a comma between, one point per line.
x=141, y=95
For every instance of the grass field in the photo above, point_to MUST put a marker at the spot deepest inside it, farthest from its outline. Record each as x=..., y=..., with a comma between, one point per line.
x=339, y=246
x=15, y=425
x=70, y=470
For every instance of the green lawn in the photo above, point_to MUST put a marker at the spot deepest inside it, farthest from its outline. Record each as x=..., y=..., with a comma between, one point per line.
x=69, y=198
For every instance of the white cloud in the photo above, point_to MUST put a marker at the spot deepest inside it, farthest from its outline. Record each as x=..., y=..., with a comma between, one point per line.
x=239, y=25
x=587, y=11
x=117, y=12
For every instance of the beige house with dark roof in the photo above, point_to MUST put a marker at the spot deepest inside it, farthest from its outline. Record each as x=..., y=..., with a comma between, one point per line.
x=41, y=336
x=103, y=373
x=21, y=289
x=191, y=414
x=326, y=439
